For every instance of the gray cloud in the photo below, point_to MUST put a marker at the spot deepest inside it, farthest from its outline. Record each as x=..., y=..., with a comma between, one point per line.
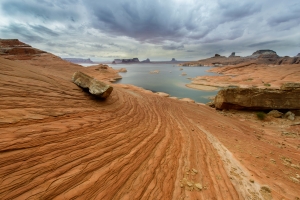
x=19, y=30
x=152, y=27
x=261, y=44
x=43, y=30
x=45, y=10
x=173, y=47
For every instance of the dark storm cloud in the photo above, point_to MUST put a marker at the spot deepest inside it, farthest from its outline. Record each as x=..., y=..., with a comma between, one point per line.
x=261, y=44
x=143, y=20
x=173, y=47
x=45, y=10
x=238, y=10
x=157, y=20
x=22, y=31
x=43, y=30
x=216, y=26
x=291, y=14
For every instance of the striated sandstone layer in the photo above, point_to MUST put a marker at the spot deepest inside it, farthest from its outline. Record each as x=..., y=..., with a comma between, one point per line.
x=57, y=142
x=258, y=99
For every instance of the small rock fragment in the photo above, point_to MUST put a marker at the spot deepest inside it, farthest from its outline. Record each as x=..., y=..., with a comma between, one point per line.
x=195, y=171
x=189, y=184
x=198, y=186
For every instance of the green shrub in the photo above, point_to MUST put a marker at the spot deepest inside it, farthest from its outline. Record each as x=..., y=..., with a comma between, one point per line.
x=267, y=84
x=261, y=115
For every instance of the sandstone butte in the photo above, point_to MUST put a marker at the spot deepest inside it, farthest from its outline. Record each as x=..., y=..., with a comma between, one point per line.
x=58, y=142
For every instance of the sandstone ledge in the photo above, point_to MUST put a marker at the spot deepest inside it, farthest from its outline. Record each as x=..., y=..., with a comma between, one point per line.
x=257, y=99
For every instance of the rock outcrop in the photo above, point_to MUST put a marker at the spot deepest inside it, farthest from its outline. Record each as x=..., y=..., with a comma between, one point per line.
x=146, y=61
x=298, y=55
x=94, y=86
x=259, y=99
x=122, y=70
x=12, y=47
x=232, y=54
x=288, y=60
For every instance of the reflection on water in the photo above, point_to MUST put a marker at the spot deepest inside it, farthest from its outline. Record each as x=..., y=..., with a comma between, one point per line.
x=168, y=80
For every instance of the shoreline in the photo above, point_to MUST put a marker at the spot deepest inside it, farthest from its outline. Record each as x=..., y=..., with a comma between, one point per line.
x=202, y=87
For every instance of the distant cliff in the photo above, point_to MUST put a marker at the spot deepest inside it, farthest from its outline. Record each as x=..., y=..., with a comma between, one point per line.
x=78, y=60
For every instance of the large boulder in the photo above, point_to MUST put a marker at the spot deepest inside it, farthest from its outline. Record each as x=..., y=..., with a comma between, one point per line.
x=94, y=86
x=259, y=99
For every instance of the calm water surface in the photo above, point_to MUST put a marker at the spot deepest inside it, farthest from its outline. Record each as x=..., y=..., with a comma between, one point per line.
x=168, y=80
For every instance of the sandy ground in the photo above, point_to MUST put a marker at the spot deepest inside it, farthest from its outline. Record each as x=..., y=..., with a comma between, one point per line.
x=58, y=142
x=250, y=75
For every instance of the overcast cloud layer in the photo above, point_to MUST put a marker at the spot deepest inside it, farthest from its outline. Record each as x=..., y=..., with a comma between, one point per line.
x=155, y=29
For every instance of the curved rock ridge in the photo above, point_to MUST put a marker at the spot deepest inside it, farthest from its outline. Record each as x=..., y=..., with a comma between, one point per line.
x=57, y=142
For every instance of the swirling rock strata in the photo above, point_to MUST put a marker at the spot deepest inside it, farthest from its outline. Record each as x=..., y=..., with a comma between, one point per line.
x=57, y=142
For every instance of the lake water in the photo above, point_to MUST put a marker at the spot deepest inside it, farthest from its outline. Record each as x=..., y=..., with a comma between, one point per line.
x=168, y=80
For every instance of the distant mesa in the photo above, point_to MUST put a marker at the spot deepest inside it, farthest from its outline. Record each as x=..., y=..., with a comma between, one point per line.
x=132, y=60
x=78, y=60
x=117, y=61
x=146, y=61
x=232, y=54
x=217, y=55
x=173, y=60
x=264, y=52
x=298, y=55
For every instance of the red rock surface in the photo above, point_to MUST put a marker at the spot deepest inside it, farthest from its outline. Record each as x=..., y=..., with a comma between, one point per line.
x=251, y=75
x=58, y=142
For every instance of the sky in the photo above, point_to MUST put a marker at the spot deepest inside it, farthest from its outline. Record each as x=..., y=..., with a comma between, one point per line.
x=104, y=30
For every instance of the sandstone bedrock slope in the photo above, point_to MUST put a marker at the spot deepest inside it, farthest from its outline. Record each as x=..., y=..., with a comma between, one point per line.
x=58, y=142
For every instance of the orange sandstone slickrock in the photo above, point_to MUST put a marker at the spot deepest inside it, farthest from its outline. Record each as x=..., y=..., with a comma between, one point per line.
x=58, y=142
